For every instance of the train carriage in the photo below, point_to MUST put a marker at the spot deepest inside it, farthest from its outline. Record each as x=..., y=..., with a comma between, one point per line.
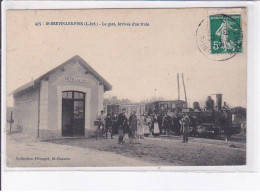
x=219, y=121
x=139, y=108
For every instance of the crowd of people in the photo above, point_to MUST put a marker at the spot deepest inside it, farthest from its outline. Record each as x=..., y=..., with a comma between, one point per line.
x=144, y=125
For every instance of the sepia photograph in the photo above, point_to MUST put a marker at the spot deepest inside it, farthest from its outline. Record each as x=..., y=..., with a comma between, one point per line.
x=126, y=87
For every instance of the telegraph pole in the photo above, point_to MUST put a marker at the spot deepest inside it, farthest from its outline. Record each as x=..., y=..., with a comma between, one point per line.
x=184, y=89
x=178, y=86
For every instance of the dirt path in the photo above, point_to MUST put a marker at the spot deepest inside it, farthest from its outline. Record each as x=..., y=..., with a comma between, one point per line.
x=22, y=152
x=150, y=151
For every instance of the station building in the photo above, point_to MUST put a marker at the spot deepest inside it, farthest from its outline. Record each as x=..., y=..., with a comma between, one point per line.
x=63, y=102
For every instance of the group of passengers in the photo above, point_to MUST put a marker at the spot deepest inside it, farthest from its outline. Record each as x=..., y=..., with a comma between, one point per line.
x=135, y=126
x=159, y=123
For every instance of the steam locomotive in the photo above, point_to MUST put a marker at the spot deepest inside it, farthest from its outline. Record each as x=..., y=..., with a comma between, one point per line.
x=210, y=122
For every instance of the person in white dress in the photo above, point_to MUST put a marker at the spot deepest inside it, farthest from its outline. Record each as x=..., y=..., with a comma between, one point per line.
x=156, y=130
x=140, y=127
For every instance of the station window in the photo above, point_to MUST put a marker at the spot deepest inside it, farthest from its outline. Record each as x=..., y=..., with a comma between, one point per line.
x=72, y=95
x=76, y=95
x=64, y=94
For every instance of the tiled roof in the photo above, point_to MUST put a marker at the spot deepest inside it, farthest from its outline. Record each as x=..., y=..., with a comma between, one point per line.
x=77, y=58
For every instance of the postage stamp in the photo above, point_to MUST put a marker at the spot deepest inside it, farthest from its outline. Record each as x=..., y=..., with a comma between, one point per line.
x=225, y=33
x=220, y=35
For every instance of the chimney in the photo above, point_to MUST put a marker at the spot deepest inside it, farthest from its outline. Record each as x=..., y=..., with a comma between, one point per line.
x=219, y=101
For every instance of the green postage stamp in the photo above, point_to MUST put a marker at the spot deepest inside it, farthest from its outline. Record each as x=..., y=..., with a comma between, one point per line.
x=225, y=34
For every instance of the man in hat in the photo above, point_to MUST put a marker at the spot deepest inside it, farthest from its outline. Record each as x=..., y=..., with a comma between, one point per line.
x=166, y=123
x=122, y=125
x=114, y=125
x=102, y=119
x=133, y=123
x=185, y=123
x=108, y=124
x=176, y=125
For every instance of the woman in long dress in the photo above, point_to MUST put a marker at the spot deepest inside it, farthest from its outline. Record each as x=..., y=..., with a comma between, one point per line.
x=146, y=126
x=140, y=127
x=156, y=130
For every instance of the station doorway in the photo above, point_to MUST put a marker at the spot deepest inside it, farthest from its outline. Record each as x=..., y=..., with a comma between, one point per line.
x=73, y=113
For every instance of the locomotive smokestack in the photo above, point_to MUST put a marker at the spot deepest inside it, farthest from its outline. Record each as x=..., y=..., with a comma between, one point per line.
x=219, y=101
x=210, y=103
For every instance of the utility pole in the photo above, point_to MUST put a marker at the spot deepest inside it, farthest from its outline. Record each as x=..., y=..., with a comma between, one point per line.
x=11, y=121
x=178, y=86
x=184, y=90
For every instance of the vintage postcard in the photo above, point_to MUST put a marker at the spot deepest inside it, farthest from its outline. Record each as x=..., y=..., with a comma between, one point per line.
x=126, y=87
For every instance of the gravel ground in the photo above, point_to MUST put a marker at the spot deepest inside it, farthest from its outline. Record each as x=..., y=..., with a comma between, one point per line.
x=151, y=151
x=170, y=151
x=47, y=154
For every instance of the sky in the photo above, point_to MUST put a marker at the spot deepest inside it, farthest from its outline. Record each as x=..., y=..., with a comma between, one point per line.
x=139, y=62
